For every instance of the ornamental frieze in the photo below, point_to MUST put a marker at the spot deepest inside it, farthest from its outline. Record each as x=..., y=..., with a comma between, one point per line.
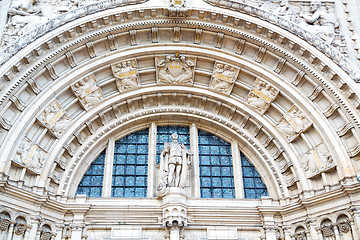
x=88, y=91
x=126, y=74
x=30, y=155
x=223, y=77
x=261, y=95
x=55, y=119
x=293, y=123
x=175, y=69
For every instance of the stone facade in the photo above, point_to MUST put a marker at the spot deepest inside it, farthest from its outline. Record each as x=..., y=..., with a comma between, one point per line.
x=278, y=80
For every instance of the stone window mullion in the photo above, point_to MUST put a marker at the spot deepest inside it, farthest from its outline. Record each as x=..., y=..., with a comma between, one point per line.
x=152, y=161
x=238, y=180
x=108, y=170
x=194, y=143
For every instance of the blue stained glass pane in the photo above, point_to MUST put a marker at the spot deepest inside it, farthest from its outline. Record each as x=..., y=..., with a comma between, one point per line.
x=228, y=193
x=215, y=160
x=129, y=181
x=205, y=192
x=143, y=139
x=204, y=160
x=215, y=171
x=140, y=192
x=225, y=160
x=141, y=159
x=205, y=150
x=141, y=181
x=119, y=169
x=118, y=181
x=217, y=193
x=249, y=183
x=216, y=182
x=121, y=149
x=205, y=182
x=131, y=149
x=214, y=150
x=226, y=171
x=131, y=159
x=256, y=174
x=248, y=172
x=250, y=193
x=205, y=171
x=260, y=192
x=259, y=183
x=142, y=149
x=224, y=150
x=118, y=192
x=141, y=170
x=129, y=192
x=120, y=159
x=130, y=170
x=95, y=192
x=227, y=182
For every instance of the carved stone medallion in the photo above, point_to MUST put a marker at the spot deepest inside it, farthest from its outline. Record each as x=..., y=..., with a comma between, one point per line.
x=261, y=95
x=316, y=162
x=175, y=69
x=300, y=236
x=20, y=229
x=88, y=91
x=293, y=123
x=126, y=74
x=30, y=155
x=344, y=226
x=223, y=77
x=55, y=119
x=327, y=231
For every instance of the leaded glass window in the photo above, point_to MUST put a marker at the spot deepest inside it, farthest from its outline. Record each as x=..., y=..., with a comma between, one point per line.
x=164, y=135
x=254, y=187
x=130, y=165
x=215, y=164
x=92, y=182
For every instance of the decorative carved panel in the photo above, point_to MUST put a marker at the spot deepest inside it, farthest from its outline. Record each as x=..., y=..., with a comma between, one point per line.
x=30, y=155
x=316, y=162
x=88, y=91
x=126, y=74
x=223, y=77
x=261, y=95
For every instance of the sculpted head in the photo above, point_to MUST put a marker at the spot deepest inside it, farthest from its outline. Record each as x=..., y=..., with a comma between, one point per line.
x=174, y=136
x=315, y=5
x=284, y=3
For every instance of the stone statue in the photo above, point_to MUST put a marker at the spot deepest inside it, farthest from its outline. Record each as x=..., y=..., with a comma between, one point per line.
x=320, y=22
x=175, y=160
x=175, y=69
x=223, y=77
x=261, y=95
x=88, y=91
x=126, y=74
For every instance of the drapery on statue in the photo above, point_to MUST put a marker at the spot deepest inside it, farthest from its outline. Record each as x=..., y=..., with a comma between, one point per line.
x=175, y=160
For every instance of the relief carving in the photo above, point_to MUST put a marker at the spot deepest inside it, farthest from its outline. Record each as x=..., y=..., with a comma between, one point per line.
x=88, y=91
x=55, y=119
x=223, y=77
x=126, y=74
x=30, y=155
x=293, y=123
x=316, y=162
x=261, y=95
x=20, y=229
x=328, y=231
x=344, y=226
x=300, y=236
x=175, y=69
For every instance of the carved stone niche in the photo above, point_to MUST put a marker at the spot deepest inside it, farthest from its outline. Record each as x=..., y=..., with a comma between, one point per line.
x=261, y=95
x=316, y=162
x=293, y=123
x=175, y=69
x=126, y=74
x=30, y=155
x=55, y=119
x=223, y=77
x=327, y=231
x=88, y=91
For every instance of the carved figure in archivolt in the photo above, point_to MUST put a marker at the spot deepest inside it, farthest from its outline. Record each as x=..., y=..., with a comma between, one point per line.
x=175, y=69
x=281, y=9
x=316, y=162
x=30, y=155
x=175, y=160
x=88, y=91
x=55, y=118
x=126, y=74
x=223, y=77
x=320, y=22
x=261, y=95
x=293, y=123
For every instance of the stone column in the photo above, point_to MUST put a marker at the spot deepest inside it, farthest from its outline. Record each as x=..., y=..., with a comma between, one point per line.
x=354, y=232
x=152, y=161
x=270, y=232
x=108, y=171
x=236, y=159
x=11, y=231
x=34, y=229
x=76, y=231
x=27, y=232
x=312, y=229
x=287, y=234
x=194, y=143
x=59, y=231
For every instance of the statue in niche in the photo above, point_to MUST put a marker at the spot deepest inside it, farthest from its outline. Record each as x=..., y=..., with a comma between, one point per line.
x=126, y=74
x=293, y=123
x=88, y=92
x=55, y=119
x=175, y=69
x=223, y=77
x=320, y=22
x=175, y=160
x=261, y=95
x=316, y=162
x=30, y=155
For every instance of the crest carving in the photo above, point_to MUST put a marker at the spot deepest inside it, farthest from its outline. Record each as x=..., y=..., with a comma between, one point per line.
x=55, y=119
x=126, y=74
x=293, y=123
x=223, y=77
x=88, y=91
x=261, y=95
x=175, y=69
x=30, y=155
x=316, y=162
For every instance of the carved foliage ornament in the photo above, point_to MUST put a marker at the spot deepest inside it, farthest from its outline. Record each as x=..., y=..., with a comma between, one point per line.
x=30, y=155
x=88, y=91
x=293, y=123
x=175, y=69
x=327, y=231
x=261, y=95
x=126, y=74
x=55, y=119
x=223, y=77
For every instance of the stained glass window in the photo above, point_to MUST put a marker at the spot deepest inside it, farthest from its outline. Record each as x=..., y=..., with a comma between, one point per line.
x=164, y=135
x=215, y=164
x=130, y=165
x=92, y=182
x=254, y=187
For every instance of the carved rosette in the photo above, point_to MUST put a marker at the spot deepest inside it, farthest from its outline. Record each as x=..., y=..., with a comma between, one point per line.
x=261, y=95
x=223, y=77
x=126, y=74
x=46, y=235
x=175, y=69
x=344, y=226
x=4, y=224
x=300, y=236
x=55, y=119
x=316, y=162
x=293, y=123
x=30, y=155
x=88, y=91
x=327, y=231
x=20, y=229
